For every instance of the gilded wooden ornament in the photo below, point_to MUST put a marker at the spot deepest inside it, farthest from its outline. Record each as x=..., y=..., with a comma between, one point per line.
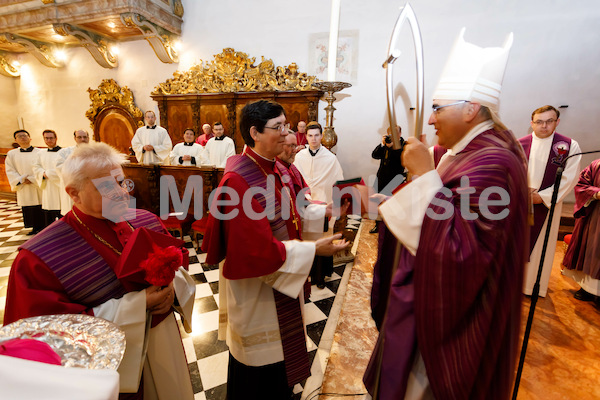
x=233, y=71
x=178, y=8
x=7, y=68
x=108, y=93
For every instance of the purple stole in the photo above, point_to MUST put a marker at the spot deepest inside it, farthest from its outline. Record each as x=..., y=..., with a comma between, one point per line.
x=289, y=314
x=561, y=145
x=84, y=274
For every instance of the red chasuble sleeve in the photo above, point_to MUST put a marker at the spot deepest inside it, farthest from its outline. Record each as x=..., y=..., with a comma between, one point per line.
x=43, y=295
x=248, y=245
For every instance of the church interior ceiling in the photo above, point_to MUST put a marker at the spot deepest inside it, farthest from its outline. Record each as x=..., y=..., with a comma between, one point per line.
x=46, y=28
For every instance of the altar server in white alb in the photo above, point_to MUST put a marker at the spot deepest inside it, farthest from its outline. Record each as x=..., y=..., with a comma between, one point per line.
x=220, y=147
x=188, y=153
x=319, y=167
x=151, y=143
x=81, y=137
x=19, y=171
x=47, y=177
x=546, y=150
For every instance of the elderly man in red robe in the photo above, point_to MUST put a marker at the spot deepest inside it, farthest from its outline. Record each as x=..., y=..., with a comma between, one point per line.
x=72, y=267
x=452, y=324
x=254, y=230
x=581, y=259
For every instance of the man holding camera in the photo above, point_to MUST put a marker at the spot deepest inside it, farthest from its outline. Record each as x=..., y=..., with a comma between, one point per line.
x=389, y=167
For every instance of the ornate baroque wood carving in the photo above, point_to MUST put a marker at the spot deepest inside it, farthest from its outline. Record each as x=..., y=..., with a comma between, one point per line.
x=233, y=71
x=110, y=93
x=113, y=114
x=218, y=90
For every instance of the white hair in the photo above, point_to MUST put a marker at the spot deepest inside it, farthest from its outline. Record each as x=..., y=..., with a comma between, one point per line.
x=87, y=160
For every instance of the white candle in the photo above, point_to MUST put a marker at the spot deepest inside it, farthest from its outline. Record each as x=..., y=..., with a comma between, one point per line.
x=334, y=27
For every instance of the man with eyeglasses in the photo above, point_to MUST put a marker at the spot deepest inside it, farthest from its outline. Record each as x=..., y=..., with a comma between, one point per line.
x=19, y=171
x=220, y=147
x=254, y=231
x=81, y=137
x=301, y=135
x=206, y=135
x=452, y=322
x=546, y=149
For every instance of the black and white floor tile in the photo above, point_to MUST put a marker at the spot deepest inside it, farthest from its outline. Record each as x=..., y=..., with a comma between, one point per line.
x=207, y=356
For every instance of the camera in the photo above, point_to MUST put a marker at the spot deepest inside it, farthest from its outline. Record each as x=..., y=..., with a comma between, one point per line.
x=388, y=139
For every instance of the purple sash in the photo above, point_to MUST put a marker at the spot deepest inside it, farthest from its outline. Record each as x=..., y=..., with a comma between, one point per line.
x=289, y=315
x=561, y=145
x=86, y=277
x=254, y=177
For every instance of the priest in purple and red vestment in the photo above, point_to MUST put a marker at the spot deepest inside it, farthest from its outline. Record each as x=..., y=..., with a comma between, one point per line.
x=546, y=150
x=71, y=267
x=582, y=260
x=451, y=327
x=254, y=231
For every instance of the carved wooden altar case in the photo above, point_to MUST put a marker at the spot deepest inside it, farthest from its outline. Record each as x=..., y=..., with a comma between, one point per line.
x=179, y=112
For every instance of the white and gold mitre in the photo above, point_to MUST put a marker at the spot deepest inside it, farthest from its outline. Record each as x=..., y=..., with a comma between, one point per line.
x=474, y=73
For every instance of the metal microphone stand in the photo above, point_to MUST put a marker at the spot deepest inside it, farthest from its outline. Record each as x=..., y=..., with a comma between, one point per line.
x=535, y=294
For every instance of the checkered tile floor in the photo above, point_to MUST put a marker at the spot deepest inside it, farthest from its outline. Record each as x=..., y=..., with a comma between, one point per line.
x=207, y=357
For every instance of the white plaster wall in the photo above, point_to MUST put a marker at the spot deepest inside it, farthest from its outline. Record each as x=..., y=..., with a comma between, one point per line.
x=57, y=98
x=8, y=110
x=554, y=60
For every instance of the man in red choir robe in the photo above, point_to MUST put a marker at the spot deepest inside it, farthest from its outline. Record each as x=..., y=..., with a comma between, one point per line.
x=255, y=233
x=206, y=135
x=581, y=259
x=301, y=136
x=71, y=267
x=452, y=323
x=314, y=212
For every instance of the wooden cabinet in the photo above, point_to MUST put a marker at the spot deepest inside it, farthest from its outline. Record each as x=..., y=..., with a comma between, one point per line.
x=151, y=187
x=181, y=111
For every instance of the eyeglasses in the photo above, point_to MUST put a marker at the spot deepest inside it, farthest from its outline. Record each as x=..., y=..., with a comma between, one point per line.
x=280, y=128
x=437, y=108
x=548, y=122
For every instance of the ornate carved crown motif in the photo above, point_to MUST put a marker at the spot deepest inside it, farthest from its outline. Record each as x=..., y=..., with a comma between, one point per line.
x=234, y=71
x=109, y=92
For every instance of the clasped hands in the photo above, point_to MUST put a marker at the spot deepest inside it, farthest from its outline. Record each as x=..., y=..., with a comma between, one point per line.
x=159, y=299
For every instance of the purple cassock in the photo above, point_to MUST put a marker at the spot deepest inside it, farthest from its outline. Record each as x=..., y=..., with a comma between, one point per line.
x=583, y=253
x=458, y=300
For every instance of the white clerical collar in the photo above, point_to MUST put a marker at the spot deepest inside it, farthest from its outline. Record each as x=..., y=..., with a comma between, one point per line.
x=472, y=134
x=550, y=138
x=314, y=152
